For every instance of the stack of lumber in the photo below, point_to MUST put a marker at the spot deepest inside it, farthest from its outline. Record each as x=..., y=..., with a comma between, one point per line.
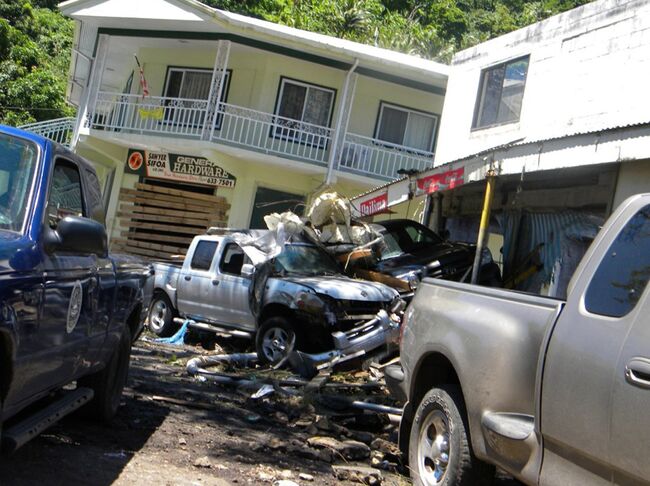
x=159, y=222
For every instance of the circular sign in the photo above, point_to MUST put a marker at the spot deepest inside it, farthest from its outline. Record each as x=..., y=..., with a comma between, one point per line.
x=135, y=161
x=74, y=308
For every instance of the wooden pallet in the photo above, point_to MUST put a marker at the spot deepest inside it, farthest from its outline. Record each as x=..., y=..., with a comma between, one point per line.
x=159, y=222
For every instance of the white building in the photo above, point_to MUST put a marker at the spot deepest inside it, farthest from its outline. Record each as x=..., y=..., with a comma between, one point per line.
x=560, y=112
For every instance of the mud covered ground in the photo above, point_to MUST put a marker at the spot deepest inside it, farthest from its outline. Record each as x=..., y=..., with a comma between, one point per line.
x=175, y=430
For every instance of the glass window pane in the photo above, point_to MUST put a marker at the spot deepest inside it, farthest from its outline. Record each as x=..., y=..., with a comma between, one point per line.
x=174, y=84
x=392, y=125
x=65, y=193
x=17, y=164
x=623, y=273
x=233, y=259
x=419, y=131
x=513, y=91
x=489, y=108
x=203, y=255
x=317, y=110
x=196, y=85
x=292, y=101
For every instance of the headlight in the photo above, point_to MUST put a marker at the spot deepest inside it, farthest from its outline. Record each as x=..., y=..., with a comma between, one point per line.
x=309, y=302
x=486, y=256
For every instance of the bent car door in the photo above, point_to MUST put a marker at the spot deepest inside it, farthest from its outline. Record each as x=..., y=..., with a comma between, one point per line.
x=233, y=292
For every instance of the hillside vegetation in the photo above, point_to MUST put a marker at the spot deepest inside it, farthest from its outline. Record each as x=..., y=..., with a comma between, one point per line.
x=35, y=39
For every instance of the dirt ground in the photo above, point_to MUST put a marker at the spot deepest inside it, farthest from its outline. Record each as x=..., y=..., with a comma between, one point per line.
x=175, y=430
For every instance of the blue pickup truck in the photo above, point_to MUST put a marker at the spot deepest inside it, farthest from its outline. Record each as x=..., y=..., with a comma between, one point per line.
x=68, y=311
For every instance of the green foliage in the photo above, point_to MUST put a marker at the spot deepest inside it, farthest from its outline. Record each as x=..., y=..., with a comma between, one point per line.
x=35, y=48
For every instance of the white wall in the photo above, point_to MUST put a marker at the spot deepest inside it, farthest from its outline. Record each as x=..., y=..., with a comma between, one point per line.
x=633, y=178
x=589, y=70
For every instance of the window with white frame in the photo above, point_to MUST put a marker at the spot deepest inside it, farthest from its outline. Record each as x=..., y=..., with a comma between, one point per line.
x=501, y=93
x=187, y=86
x=406, y=127
x=309, y=105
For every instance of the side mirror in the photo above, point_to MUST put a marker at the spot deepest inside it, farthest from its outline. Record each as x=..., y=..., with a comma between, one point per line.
x=75, y=234
x=247, y=270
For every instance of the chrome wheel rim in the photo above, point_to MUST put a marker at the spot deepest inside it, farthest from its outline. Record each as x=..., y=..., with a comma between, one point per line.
x=157, y=315
x=433, y=448
x=276, y=344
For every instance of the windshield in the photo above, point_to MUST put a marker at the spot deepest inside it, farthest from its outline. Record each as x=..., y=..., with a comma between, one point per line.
x=407, y=239
x=17, y=166
x=305, y=260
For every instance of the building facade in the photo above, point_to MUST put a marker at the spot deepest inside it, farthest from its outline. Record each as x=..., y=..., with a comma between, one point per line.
x=558, y=112
x=199, y=117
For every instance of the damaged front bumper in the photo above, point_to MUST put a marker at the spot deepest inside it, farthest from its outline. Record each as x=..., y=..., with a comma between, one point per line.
x=381, y=330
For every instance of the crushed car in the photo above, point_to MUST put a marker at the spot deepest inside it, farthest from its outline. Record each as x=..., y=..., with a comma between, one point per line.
x=281, y=290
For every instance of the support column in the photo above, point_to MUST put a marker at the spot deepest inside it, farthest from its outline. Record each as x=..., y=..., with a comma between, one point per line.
x=89, y=103
x=485, y=222
x=216, y=89
x=341, y=128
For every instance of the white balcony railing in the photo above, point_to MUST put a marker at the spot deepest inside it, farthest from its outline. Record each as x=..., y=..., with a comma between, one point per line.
x=251, y=130
x=60, y=129
x=374, y=157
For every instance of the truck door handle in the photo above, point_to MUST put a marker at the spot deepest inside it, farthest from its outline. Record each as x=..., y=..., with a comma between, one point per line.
x=215, y=282
x=637, y=372
x=188, y=277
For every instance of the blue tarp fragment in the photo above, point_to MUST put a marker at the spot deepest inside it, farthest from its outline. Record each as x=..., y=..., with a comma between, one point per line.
x=178, y=338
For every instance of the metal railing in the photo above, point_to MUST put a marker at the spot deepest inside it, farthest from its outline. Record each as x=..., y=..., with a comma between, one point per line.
x=272, y=133
x=372, y=157
x=60, y=129
x=251, y=130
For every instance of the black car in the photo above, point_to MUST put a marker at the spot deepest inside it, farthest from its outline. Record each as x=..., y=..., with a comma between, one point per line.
x=411, y=251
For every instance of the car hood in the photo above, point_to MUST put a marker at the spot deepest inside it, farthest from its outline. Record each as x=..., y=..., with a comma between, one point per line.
x=341, y=287
x=446, y=254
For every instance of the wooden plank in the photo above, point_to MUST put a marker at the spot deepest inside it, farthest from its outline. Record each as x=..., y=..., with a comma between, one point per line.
x=153, y=218
x=151, y=246
x=141, y=235
x=167, y=204
x=157, y=255
x=164, y=212
x=190, y=231
x=152, y=196
x=178, y=192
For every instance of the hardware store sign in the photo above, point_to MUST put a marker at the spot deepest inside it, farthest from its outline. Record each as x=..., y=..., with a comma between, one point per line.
x=179, y=168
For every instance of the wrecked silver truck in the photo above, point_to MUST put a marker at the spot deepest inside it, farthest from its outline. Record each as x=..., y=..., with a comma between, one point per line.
x=288, y=296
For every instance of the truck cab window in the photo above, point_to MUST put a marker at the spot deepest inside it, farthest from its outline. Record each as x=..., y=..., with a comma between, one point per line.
x=18, y=159
x=203, y=255
x=623, y=272
x=65, y=198
x=233, y=259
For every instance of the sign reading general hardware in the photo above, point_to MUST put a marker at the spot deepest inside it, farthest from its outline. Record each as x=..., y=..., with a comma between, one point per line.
x=179, y=168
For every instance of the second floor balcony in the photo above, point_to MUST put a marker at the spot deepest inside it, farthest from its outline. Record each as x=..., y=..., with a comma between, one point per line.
x=244, y=128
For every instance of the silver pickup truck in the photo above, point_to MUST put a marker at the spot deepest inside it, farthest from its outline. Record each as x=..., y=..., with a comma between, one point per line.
x=297, y=300
x=553, y=392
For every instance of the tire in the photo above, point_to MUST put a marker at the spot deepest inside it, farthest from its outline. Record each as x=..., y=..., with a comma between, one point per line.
x=274, y=341
x=161, y=316
x=108, y=383
x=440, y=452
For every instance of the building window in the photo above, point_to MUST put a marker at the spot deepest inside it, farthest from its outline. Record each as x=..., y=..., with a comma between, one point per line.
x=406, y=127
x=304, y=109
x=500, y=93
x=189, y=87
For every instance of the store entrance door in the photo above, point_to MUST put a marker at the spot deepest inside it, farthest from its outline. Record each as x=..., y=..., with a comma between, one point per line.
x=271, y=201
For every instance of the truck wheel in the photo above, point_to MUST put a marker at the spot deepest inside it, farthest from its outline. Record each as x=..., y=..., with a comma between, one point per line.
x=274, y=341
x=109, y=382
x=439, y=447
x=161, y=316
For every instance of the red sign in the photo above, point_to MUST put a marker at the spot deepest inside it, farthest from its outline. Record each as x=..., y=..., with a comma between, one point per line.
x=375, y=205
x=444, y=180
